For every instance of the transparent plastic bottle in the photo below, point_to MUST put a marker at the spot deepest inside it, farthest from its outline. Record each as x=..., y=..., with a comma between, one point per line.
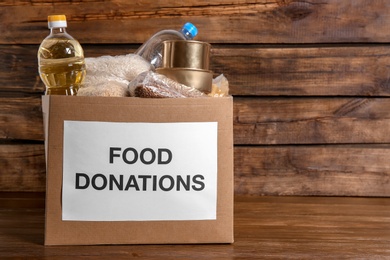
x=60, y=59
x=151, y=50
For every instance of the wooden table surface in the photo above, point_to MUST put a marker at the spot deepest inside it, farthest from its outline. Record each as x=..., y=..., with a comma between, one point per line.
x=265, y=228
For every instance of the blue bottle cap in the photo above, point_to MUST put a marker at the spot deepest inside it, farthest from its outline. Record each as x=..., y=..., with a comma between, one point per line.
x=191, y=29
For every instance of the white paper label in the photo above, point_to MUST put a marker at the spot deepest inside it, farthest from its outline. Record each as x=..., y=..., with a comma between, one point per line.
x=139, y=171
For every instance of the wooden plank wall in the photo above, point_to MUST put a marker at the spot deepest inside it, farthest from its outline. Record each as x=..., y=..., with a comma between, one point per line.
x=310, y=80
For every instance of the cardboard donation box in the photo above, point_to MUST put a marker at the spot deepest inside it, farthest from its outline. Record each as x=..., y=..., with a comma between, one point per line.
x=138, y=171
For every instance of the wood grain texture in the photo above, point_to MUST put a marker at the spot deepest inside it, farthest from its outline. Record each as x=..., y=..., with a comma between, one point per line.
x=265, y=228
x=21, y=119
x=23, y=167
x=305, y=70
x=355, y=170
x=336, y=170
x=310, y=79
x=328, y=170
x=311, y=120
x=281, y=21
x=19, y=71
x=252, y=70
x=256, y=120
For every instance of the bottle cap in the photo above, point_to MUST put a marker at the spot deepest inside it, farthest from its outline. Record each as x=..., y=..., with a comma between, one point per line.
x=56, y=21
x=191, y=29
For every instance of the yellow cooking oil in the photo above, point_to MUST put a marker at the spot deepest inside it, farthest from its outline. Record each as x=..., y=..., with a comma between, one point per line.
x=61, y=60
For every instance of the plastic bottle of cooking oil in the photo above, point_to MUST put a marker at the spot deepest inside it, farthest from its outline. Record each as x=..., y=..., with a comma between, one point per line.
x=151, y=50
x=60, y=59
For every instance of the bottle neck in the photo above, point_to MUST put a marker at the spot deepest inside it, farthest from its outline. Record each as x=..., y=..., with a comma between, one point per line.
x=57, y=30
x=187, y=34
